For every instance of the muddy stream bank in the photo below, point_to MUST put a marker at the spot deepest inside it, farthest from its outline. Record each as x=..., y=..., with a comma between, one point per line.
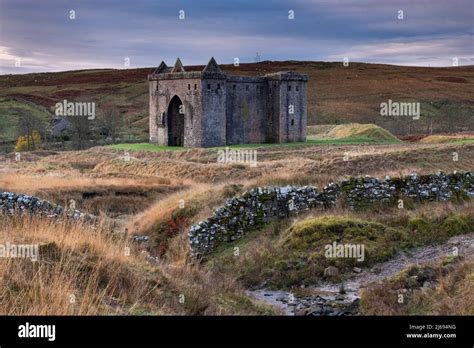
x=328, y=299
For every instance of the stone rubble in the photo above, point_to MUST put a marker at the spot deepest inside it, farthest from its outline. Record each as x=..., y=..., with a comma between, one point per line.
x=261, y=205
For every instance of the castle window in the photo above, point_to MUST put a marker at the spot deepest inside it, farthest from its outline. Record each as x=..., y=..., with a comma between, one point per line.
x=218, y=86
x=246, y=87
x=189, y=86
x=233, y=87
x=292, y=121
x=195, y=86
x=208, y=86
x=297, y=88
x=289, y=87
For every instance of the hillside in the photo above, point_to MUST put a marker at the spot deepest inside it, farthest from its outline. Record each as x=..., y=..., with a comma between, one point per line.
x=336, y=94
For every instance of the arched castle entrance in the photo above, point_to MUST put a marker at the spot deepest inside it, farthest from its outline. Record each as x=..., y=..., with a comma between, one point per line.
x=175, y=122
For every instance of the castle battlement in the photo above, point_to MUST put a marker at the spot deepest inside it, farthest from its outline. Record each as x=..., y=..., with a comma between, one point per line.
x=210, y=108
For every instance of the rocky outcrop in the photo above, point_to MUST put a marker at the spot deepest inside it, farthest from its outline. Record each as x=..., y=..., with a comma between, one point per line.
x=19, y=204
x=261, y=205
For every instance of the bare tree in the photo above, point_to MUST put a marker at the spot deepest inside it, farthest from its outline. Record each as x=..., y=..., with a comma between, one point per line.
x=81, y=133
x=112, y=121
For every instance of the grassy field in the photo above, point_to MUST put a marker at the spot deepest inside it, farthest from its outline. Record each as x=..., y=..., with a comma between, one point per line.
x=343, y=141
x=350, y=134
x=142, y=196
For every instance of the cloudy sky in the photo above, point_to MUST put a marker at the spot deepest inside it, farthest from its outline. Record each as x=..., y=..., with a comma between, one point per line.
x=39, y=35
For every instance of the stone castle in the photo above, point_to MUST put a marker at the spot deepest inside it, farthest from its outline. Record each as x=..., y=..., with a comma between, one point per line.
x=210, y=108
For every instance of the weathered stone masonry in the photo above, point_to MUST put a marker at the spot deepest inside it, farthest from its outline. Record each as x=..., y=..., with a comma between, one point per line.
x=261, y=205
x=12, y=203
x=209, y=108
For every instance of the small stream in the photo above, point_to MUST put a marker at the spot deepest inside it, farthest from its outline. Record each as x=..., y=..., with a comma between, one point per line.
x=327, y=299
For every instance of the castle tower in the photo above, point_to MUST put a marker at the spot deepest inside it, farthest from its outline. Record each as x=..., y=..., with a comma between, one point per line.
x=175, y=106
x=288, y=100
x=214, y=104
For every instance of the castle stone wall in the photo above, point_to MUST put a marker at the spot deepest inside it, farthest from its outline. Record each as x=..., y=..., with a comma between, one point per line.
x=214, y=98
x=246, y=110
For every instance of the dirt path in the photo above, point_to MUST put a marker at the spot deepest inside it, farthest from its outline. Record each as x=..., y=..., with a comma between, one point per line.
x=326, y=299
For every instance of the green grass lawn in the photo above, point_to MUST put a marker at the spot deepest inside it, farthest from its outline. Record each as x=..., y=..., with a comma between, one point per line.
x=310, y=141
x=464, y=141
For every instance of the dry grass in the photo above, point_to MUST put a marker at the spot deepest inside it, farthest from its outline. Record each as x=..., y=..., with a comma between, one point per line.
x=453, y=294
x=350, y=130
x=300, y=164
x=162, y=210
x=93, y=266
x=31, y=184
x=439, y=139
x=75, y=261
x=91, y=263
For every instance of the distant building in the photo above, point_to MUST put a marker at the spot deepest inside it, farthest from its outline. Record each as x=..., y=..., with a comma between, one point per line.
x=59, y=126
x=209, y=108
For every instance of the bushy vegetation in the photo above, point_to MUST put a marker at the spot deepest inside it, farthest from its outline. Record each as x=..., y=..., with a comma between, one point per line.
x=29, y=142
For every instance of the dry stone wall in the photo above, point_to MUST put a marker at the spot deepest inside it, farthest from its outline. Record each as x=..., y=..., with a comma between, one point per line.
x=19, y=204
x=261, y=205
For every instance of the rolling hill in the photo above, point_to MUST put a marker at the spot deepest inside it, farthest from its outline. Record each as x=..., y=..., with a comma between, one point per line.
x=336, y=94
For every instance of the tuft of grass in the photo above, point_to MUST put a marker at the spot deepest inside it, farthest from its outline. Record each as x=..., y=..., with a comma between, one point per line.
x=452, y=293
x=81, y=270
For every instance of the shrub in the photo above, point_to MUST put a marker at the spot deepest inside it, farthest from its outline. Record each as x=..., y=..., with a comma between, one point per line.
x=422, y=230
x=454, y=225
x=28, y=142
